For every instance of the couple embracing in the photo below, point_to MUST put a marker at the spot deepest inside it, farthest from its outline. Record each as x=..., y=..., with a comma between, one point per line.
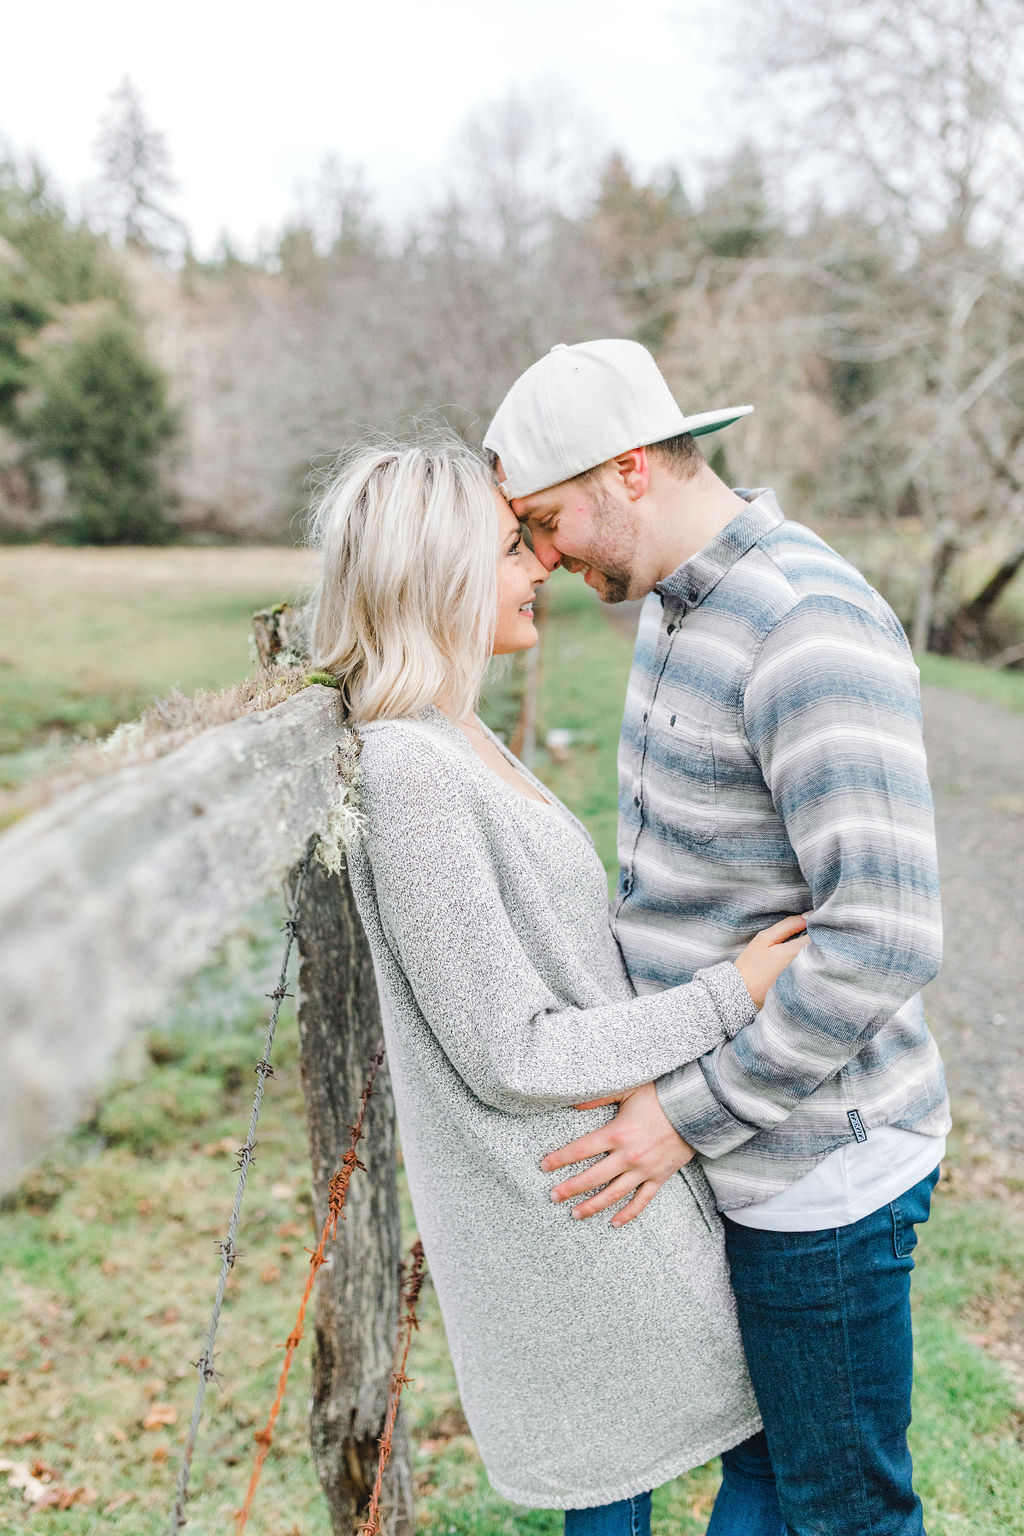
x=667, y=1160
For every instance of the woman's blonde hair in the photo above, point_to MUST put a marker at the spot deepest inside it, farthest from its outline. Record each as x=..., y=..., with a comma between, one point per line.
x=406, y=598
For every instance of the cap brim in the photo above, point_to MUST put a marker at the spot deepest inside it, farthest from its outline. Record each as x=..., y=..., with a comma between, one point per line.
x=711, y=421
x=514, y=486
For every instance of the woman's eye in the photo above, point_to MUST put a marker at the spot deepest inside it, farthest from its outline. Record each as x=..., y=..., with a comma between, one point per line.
x=514, y=549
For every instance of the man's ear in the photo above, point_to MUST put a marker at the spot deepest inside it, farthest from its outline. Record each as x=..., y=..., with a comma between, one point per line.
x=634, y=470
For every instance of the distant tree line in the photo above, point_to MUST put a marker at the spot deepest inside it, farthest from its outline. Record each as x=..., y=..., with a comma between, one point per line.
x=876, y=321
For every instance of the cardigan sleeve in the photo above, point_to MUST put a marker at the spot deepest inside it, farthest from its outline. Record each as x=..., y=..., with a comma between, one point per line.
x=515, y=1043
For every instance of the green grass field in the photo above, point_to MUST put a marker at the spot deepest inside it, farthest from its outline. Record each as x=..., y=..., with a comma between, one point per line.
x=92, y=635
x=109, y=1263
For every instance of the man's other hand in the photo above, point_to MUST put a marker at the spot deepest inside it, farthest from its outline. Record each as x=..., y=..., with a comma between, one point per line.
x=639, y=1150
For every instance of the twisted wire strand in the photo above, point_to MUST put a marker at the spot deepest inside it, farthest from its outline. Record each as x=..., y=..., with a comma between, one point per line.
x=410, y=1283
x=336, y=1197
x=204, y=1365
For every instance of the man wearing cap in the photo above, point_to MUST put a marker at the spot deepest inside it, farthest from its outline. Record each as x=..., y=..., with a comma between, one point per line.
x=770, y=763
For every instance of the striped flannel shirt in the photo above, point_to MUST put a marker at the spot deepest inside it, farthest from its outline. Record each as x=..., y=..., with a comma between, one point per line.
x=771, y=763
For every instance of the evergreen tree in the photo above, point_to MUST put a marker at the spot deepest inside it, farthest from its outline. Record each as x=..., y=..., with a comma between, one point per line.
x=76, y=385
x=47, y=262
x=736, y=220
x=645, y=232
x=103, y=416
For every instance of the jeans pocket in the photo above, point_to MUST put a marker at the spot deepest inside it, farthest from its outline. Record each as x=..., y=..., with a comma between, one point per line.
x=904, y=1233
x=908, y=1211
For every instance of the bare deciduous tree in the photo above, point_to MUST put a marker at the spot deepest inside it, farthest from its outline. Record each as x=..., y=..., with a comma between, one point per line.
x=135, y=167
x=919, y=107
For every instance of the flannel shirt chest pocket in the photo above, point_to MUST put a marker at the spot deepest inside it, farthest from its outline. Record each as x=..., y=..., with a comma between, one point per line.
x=679, y=769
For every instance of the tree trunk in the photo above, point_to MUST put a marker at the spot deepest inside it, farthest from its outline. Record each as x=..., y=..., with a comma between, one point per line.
x=357, y=1290
x=923, y=611
x=927, y=635
x=962, y=633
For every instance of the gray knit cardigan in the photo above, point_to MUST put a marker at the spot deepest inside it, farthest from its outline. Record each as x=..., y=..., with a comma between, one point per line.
x=593, y=1362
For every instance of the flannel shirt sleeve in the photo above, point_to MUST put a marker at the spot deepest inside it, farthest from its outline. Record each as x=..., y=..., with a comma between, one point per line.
x=832, y=714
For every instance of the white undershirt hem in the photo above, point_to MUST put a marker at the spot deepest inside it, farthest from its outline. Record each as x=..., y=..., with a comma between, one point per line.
x=857, y=1178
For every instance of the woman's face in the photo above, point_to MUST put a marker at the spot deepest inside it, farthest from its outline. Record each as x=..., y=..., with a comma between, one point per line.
x=520, y=573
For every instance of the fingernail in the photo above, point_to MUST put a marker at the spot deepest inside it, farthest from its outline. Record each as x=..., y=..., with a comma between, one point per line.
x=544, y=1164
x=555, y=1196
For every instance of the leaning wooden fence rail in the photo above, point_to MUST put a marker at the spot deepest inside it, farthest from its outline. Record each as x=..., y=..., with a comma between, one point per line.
x=122, y=888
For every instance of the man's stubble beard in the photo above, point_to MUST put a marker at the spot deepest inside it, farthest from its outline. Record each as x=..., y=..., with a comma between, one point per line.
x=616, y=586
x=613, y=526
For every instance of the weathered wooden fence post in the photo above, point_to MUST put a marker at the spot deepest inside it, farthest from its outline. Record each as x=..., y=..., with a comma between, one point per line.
x=357, y=1291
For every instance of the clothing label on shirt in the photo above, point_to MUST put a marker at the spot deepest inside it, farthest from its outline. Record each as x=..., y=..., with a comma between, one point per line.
x=853, y=1115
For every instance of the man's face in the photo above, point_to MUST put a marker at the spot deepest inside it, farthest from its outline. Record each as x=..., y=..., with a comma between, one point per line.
x=591, y=529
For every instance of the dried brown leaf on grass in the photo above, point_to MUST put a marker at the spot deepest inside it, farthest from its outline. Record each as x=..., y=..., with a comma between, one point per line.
x=118, y=1502
x=41, y=1487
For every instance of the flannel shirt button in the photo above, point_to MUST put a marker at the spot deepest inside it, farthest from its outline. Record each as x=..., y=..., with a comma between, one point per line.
x=636, y=801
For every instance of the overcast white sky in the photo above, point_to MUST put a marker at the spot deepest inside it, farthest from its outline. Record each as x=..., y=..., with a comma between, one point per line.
x=252, y=96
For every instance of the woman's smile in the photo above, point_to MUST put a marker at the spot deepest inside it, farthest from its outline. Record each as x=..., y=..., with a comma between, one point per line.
x=520, y=573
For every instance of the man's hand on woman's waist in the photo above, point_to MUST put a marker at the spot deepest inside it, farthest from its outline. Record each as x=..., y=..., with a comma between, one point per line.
x=638, y=1150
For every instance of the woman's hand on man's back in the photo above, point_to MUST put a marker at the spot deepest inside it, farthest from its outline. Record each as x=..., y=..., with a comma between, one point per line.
x=767, y=955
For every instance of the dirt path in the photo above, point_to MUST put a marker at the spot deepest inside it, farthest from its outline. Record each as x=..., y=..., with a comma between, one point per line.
x=976, y=1005
x=976, y=764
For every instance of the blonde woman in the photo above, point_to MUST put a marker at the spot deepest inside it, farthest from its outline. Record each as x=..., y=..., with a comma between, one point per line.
x=595, y=1359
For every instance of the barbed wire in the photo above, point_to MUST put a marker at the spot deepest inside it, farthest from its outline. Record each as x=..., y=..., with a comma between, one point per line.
x=228, y=1252
x=336, y=1196
x=410, y=1285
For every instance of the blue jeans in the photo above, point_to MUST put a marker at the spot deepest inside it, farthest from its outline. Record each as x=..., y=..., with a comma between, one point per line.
x=628, y=1517
x=825, y=1319
x=746, y=1505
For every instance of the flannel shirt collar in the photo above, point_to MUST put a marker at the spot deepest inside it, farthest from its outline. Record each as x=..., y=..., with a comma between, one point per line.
x=690, y=583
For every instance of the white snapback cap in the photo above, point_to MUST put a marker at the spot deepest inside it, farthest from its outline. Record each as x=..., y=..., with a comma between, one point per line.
x=582, y=405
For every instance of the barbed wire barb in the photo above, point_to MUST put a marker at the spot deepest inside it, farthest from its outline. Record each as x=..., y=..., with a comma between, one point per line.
x=228, y=1251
